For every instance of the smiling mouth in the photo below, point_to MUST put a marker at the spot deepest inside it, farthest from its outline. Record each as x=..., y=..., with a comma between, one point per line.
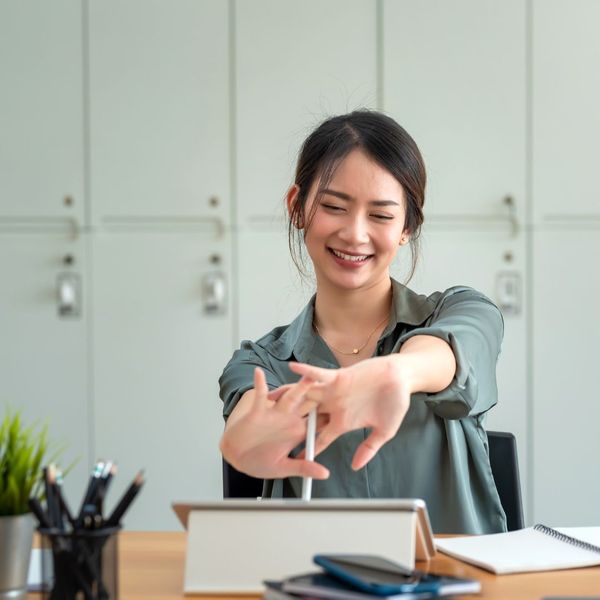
x=350, y=257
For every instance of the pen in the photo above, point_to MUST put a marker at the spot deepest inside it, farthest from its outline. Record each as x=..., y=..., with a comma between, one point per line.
x=311, y=430
x=126, y=500
x=38, y=511
x=91, y=491
x=110, y=469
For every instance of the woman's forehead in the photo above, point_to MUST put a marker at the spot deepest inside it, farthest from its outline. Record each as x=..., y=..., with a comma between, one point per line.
x=359, y=176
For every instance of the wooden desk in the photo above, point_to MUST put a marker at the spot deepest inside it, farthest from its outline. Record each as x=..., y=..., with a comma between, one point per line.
x=152, y=569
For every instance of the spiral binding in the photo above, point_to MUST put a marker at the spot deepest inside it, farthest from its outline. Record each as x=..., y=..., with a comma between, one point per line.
x=563, y=537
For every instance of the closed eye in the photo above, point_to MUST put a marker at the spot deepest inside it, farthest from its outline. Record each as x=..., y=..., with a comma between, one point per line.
x=332, y=207
x=383, y=217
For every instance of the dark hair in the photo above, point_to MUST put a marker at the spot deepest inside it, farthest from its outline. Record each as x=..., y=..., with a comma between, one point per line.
x=380, y=138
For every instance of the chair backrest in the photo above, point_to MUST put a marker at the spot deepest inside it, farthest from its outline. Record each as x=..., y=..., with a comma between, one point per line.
x=505, y=469
x=240, y=485
x=503, y=460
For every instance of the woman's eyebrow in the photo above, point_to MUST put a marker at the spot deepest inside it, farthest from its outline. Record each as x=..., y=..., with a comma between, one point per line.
x=344, y=196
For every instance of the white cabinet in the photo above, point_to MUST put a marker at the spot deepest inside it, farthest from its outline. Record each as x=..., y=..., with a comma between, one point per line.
x=43, y=356
x=454, y=75
x=159, y=110
x=566, y=240
x=157, y=357
x=566, y=120
x=158, y=135
x=41, y=111
x=159, y=77
x=295, y=64
x=566, y=330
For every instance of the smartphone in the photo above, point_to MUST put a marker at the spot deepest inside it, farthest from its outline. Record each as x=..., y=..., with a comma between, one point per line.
x=382, y=577
x=327, y=587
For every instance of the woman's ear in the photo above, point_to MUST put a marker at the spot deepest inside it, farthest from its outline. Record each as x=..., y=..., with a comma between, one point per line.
x=291, y=199
x=405, y=237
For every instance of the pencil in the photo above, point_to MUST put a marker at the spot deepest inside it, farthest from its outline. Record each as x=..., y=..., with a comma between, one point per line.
x=311, y=430
x=61, y=498
x=126, y=500
x=53, y=499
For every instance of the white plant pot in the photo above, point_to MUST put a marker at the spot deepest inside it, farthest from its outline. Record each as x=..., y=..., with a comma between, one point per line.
x=16, y=537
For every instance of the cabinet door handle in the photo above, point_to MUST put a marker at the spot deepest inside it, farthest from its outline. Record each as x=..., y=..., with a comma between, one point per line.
x=509, y=202
x=214, y=293
x=68, y=294
x=508, y=292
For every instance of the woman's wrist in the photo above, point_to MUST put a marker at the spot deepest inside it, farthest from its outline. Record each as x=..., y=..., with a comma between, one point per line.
x=427, y=364
x=401, y=372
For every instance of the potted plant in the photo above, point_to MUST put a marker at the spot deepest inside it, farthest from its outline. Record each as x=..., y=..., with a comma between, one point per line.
x=22, y=451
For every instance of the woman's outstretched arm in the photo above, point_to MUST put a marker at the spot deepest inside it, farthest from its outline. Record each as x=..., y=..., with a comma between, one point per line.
x=375, y=393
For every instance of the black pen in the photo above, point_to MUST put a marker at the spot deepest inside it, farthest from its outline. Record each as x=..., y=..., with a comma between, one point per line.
x=91, y=491
x=126, y=500
x=38, y=511
x=110, y=469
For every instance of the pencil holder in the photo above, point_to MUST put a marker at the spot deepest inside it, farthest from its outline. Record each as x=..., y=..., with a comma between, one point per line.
x=82, y=564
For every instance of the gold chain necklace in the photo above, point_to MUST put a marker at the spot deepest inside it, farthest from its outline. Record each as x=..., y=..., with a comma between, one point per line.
x=354, y=350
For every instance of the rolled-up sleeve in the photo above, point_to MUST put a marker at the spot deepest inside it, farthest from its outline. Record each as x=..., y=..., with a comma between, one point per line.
x=473, y=327
x=238, y=375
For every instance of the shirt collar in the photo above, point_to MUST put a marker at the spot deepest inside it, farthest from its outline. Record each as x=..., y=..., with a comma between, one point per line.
x=300, y=339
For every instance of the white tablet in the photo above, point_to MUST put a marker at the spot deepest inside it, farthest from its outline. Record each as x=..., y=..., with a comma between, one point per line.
x=233, y=545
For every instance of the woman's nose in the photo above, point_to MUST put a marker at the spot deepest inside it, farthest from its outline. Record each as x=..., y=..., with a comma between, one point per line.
x=355, y=231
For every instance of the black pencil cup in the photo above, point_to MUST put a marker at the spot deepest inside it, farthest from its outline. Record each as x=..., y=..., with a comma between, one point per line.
x=82, y=565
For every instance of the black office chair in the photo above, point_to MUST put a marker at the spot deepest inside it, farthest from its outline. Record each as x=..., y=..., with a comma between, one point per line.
x=505, y=469
x=240, y=485
x=503, y=460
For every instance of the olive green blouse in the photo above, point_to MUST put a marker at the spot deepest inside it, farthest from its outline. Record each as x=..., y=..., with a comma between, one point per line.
x=440, y=452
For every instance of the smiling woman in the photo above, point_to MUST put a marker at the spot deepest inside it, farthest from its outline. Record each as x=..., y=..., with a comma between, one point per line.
x=401, y=382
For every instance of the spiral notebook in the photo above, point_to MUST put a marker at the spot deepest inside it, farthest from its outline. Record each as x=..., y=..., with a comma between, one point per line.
x=537, y=548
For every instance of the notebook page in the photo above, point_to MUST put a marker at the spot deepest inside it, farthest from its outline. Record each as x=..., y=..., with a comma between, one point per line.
x=518, y=551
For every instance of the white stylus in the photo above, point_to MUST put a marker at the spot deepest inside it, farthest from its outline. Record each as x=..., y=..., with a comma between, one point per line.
x=311, y=432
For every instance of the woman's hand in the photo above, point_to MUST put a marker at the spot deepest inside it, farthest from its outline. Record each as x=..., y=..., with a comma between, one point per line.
x=259, y=440
x=373, y=393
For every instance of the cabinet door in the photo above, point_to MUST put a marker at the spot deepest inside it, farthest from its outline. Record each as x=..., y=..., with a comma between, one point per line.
x=159, y=109
x=271, y=292
x=295, y=64
x=41, y=110
x=566, y=329
x=43, y=356
x=479, y=259
x=158, y=355
x=454, y=77
x=566, y=120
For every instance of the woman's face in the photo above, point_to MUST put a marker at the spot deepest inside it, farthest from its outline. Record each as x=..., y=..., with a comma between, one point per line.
x=357, y=224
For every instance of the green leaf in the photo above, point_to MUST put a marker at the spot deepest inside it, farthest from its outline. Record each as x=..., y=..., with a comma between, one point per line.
x=23, y=450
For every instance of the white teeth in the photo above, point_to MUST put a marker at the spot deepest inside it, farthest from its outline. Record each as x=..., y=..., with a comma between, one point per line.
x=349, y=256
